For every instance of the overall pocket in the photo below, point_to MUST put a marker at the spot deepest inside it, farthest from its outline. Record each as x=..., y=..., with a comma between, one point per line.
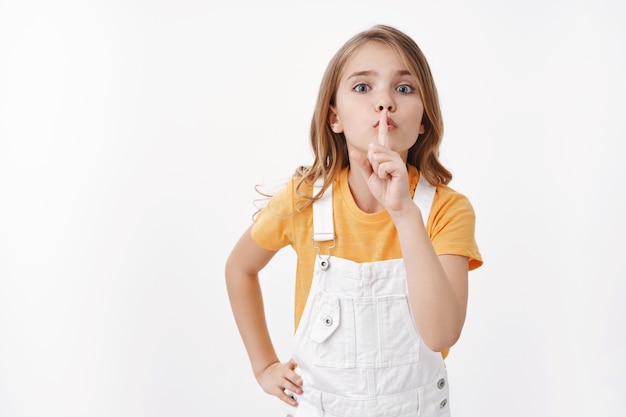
x=332, y=331
x=368, y=332
x=399, y=341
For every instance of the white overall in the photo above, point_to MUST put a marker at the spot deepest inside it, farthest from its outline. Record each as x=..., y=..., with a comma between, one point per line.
x=357, y=348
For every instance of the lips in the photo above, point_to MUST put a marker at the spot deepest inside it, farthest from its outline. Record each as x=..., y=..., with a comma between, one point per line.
x=390, y=123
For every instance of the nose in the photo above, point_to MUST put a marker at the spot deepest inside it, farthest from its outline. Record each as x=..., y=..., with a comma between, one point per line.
x=385, y=103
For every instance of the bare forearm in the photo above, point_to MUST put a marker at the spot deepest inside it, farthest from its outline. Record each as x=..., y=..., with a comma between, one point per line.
x=242, y=281
x=247, y=304
x=438, y=308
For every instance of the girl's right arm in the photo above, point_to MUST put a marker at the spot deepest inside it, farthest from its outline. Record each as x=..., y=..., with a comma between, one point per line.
x=242, y=281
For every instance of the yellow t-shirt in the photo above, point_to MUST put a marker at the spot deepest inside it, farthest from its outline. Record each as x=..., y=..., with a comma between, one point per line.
x=360, y=236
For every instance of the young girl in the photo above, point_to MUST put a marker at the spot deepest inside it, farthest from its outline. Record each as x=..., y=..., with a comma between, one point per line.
x=383, y=246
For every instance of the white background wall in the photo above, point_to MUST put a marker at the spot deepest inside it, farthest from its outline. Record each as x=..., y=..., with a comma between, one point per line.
x=132, y=134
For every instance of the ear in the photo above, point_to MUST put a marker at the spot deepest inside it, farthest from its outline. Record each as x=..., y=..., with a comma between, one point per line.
x=422, y=129
x=333, y=121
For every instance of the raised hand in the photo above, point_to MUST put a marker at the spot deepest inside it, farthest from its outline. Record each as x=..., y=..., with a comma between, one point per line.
x=385, y=170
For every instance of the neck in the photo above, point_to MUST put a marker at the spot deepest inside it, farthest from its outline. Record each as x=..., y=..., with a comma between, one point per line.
x=361, y=193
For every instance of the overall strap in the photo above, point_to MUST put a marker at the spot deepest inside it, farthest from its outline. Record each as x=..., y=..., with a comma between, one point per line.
x=323, y=225
x=424, y=196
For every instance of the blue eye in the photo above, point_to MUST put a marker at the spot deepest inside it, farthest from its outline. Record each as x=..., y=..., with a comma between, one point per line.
x=404, y=89
x=361, y=88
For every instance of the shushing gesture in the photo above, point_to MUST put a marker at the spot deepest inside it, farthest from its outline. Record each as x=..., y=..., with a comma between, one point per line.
x=384, y=170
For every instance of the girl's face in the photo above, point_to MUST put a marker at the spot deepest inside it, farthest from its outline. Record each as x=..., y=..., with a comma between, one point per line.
x=374, y=79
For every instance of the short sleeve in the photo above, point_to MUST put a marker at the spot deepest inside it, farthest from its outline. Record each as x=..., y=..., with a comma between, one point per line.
x=273, y=225
x=452, y=226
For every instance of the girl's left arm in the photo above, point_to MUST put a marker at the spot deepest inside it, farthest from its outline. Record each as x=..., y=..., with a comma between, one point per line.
x=437, y=285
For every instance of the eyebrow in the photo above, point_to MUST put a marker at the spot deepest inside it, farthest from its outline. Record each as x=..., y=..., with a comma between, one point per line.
x=371, y=72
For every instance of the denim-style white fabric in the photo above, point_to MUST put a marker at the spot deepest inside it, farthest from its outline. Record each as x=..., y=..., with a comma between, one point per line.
x=357, y=337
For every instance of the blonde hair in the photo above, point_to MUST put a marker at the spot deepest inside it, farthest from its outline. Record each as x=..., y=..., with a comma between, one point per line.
x=330, y=148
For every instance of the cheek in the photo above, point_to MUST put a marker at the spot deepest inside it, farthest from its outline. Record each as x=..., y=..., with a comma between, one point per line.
x=354, y=123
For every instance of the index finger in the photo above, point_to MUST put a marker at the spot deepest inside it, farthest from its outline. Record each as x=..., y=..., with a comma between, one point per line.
x=383, y=129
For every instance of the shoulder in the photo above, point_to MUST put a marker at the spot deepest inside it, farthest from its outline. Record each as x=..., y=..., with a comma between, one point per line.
x=452, y=225
x=446, y=202
x=273, y=223
x=451, y=210
x=285, y=198
x=447, y=198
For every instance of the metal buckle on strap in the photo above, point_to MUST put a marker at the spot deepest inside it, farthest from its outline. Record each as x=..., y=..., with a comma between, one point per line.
x=323, y=260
